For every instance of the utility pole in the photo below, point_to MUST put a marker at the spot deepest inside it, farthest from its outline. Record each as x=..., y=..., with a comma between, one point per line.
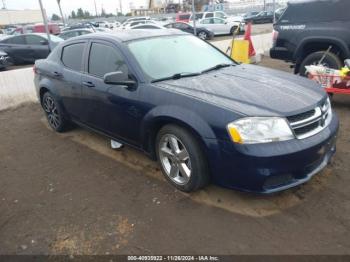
x=3, y=4
x=59, y=6
x=45, y=23
x=274, y=11
x=95, y=8
x=194, y=18
x=121, y=6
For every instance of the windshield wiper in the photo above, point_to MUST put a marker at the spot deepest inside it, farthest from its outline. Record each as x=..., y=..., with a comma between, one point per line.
x=175, y=76
x=216, y=67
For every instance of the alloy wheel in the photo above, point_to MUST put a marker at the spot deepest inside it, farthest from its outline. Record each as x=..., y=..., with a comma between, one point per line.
x=202, y=35
x=51, y=112
x=175, y=159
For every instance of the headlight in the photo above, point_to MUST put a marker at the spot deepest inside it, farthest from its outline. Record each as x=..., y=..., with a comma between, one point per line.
x=253, y=130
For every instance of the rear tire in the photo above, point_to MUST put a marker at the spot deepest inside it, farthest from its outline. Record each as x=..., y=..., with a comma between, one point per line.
x=54, y=113
x=181, y=158
x=331, y=60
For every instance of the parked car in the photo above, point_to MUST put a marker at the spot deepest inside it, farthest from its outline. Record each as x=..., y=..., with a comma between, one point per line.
x=219, y=26
x=37, y=28
x=87, y=25
x=183, y=17
x=103, y=24
x=53, y=28
x=27, y=48
x=147, y=26
x=5, y=60
x=261, y=18
x=250, y=14
x=202, y=32
x=222, y=15
x=307, y=29
x=204, y=117
x=102, y=29
x=134, y=19
x=75, y=32
x=138, y=22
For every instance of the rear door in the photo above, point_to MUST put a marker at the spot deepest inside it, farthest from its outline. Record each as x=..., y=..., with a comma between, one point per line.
x=70, y=75
x=37, y=47
x=221, y=26
x=16, y=48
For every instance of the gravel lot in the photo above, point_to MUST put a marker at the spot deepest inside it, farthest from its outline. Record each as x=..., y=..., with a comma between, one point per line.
x=71, y=194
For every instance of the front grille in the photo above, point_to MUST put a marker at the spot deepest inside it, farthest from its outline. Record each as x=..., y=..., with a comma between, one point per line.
x=301, y=116
x=311, y=122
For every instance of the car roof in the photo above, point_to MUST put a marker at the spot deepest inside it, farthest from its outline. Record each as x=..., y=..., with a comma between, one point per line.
x=77, y=29
x=130, y=35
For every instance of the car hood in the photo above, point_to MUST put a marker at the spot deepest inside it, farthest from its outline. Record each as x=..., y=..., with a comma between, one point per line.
x=251, y=90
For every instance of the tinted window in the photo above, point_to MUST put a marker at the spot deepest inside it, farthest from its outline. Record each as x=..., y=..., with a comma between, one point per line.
x=72, y=56
x=17, y=40
x=34, y=40
x=105, y=59
x=325, y=11
x=207, y=21
x=218, y=21
x=209, y=15
x=184, y=17
x=181, y=26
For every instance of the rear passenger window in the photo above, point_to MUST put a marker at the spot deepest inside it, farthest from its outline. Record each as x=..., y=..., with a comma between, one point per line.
x=105, y=59
x=72, y=56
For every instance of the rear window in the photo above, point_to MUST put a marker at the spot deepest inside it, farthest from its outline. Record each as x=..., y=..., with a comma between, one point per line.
x=316, y=11
x=183, y=17
x=72, y=56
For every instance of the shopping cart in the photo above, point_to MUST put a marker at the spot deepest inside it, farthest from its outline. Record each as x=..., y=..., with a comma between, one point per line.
x=330, y=79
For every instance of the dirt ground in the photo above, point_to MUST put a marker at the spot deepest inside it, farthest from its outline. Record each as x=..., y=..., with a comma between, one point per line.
x=71, y=194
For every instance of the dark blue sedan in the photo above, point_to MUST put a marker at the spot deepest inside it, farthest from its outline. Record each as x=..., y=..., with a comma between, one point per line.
x=183, y=102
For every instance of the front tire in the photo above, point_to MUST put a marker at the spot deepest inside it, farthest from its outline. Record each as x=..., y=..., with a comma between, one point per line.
x=331, y=60
x=203, y=35
x=233, y=29
x=54, y=113
x=181, y=158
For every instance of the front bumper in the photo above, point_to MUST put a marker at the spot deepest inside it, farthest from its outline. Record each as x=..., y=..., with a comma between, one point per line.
x=272, y=167
x=5, y=61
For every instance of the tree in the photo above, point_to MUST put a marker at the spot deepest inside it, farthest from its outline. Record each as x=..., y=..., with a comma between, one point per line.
x=103, y=12
x=55, y=17
x=73, y=15
x=80, y=13
x=87, y=14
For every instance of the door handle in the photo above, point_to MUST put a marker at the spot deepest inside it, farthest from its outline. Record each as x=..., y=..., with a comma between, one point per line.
x=88, y=84
x=57, y=74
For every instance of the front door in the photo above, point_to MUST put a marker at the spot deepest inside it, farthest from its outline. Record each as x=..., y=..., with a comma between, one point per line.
x=109, y=108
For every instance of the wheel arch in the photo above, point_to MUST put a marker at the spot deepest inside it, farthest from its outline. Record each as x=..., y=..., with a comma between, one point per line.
x=315, y=44
x=154, y=121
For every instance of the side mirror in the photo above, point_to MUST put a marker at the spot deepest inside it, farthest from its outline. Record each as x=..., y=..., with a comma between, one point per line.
x=44, y=42
x=347, y=63
x=118, y=78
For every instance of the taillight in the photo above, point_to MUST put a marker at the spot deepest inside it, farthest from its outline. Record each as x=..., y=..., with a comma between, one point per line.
x=274, y=36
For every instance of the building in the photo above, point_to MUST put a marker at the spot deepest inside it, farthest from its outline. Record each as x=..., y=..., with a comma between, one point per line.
x=10, y=17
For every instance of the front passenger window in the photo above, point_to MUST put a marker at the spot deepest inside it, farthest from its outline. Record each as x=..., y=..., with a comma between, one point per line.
x=105, y=59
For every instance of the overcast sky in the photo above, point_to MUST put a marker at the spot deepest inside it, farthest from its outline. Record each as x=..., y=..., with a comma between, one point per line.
x=68, y=5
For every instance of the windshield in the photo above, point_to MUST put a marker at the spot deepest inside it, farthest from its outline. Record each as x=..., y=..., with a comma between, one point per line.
x=166, y=56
